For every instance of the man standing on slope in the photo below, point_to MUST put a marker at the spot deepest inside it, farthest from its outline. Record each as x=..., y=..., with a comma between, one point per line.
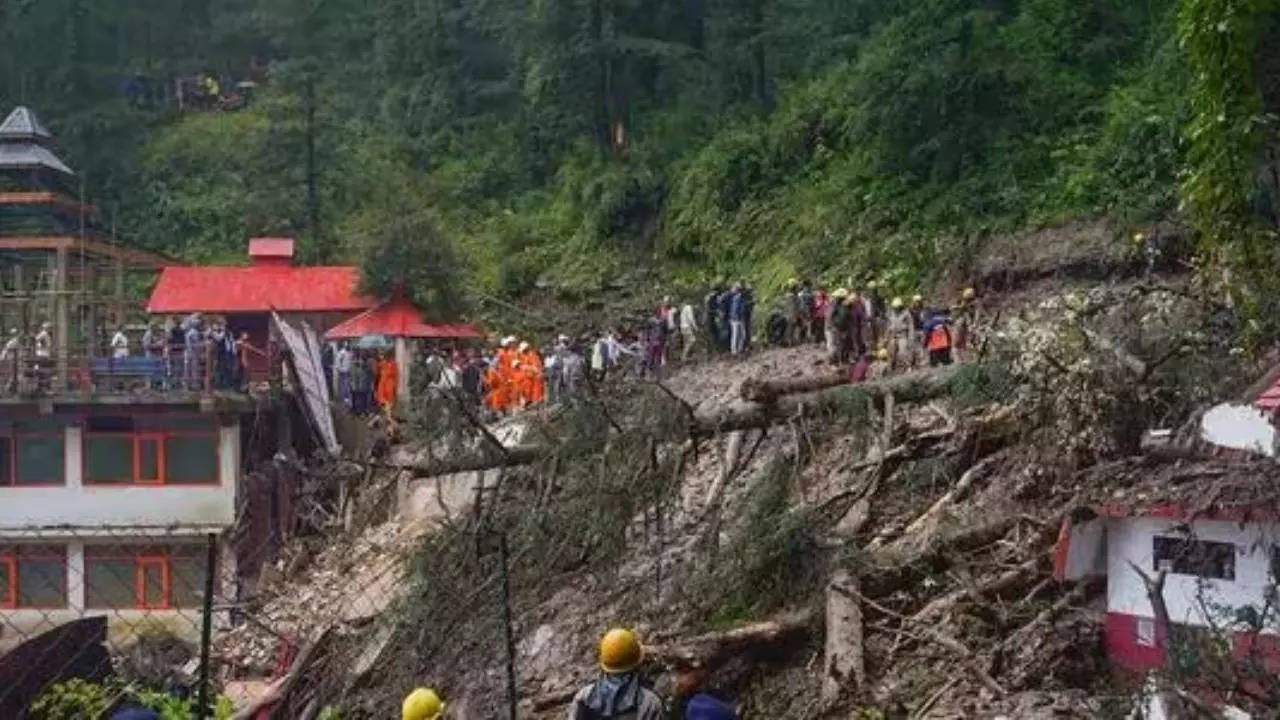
x=618, y=693
x=737, y=320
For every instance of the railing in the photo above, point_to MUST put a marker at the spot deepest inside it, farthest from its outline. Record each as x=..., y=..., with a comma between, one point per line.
x=173, y=371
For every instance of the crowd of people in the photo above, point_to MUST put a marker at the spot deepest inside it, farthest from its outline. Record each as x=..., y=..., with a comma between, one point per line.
x=620, y=691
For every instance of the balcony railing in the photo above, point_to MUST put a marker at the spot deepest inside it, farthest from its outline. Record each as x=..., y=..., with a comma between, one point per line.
x=172, y=372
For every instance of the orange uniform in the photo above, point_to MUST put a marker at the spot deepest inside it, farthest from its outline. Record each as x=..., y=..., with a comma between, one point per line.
x=388, y=380
x=533, y=389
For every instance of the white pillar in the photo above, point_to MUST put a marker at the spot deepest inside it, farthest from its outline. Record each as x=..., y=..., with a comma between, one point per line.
x=404, y=360
x=72, y=453
x=75, y=577
x=229, y=455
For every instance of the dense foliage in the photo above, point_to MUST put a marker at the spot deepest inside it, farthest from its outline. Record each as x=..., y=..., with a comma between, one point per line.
x=566, y=139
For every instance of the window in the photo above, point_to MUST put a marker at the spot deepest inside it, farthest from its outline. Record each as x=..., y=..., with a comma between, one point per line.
x=1201, y=558
x=150, y=450
x=31, y=453
x=144, y=577
x=1146, y=632
x=33, y=576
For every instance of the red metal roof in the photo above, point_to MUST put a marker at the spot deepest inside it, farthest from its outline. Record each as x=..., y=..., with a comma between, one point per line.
x=270, y=247
x=283, y=288
x=397, y=317
x=1269, y=400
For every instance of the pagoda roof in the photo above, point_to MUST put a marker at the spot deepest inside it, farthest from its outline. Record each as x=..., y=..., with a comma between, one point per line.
x=398, y=317
x=22, y=124
x=29, y=155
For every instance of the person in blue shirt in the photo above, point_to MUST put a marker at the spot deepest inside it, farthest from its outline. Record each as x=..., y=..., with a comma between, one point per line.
x=704, y=707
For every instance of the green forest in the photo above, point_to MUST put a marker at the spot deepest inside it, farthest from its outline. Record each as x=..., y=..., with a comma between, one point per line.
x=508, y=143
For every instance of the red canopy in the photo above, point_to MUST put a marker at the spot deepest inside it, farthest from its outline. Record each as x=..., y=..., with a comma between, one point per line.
x=397, y=317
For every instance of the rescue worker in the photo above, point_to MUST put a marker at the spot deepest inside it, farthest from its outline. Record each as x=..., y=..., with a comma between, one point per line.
x=711, y=307
x=880, y=365
x=688, y=330
x=422, y=704
x=965, y=313
x=532, y=389
x=937, y=339
x=902, y=336
x=618, y=692
x=838, y=327
x=876, y=314
x=388, y=381
x=818, y=316
x=917, y=311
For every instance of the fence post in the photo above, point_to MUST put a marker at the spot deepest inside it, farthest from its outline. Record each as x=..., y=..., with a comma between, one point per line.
x=505, y=554
x=206, y=629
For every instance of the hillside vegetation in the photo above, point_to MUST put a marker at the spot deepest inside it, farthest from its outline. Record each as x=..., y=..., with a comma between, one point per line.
x=564, y=140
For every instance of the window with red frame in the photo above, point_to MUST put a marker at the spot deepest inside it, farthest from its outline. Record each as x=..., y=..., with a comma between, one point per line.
x=144, y=577
x=150, y=450
x=32, y=452
x=33, y=576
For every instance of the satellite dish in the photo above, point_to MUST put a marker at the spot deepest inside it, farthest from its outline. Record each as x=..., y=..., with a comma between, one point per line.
x=1240, y=427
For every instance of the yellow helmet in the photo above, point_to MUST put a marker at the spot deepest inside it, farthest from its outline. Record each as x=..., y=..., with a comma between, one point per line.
x=1138, y=238
x=793, y=282
x=969, y=293
x=422, y=704
x=896, y=303
x=882, y=354
x=917, y=298
x=620, y=651
x=840, y=293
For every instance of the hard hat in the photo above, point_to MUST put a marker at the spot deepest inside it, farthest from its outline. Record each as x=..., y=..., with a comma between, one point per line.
x=522, y=346
x=507, y=340
x=969, y=293
x=896, y=303
x=1139, y=237
x=882, y=354
x=840, y=292
x=422, y=704
x=792, y=282
x=917, y=298
x=620, y=651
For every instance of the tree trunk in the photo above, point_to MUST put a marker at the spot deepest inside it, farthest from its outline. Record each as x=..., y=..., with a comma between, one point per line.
x=843, y=666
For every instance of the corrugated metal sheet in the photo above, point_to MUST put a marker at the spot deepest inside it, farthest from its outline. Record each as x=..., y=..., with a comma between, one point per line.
x=304, y=348
x=257, y=289
x=398, y=318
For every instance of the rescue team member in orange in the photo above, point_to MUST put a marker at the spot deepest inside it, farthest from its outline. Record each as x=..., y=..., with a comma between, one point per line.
x=388, y=380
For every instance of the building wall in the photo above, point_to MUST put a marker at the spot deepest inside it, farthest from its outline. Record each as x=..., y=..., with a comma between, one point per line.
x=19, y=625
x=87, y=506
x=1129, y=540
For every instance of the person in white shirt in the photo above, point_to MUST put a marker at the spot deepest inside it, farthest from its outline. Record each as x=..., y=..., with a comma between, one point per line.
x=688, y=330
x=119, y=344
x=44, y=341
x=342, y=370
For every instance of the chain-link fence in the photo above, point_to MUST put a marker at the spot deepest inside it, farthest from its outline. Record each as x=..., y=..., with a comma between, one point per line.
x=129, y=604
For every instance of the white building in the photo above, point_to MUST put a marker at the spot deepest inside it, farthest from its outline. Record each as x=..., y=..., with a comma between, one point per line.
x=1221, y=564
x=107, y=508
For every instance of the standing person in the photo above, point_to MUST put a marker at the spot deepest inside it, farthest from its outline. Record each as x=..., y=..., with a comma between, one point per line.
x=670, y=317
x=966, y=317
x=724, y=303
x=388, y=379
x=174, y=352
x=806, y=297
x=688, y=330
x=119, y=344
x=244, y=349
x=818, y=316
x=571, y=374
x=737, y=320
x=902, y=336
x=473, y=377
x=361, y=384
x=555, y=369
x=150, y=348
x=534, y=391
x=876, y=313
x=937, y=339
x=342, y=367
x=10, y=358
x=655, y=346
x=858, y=324
x=193, y=350
x=711, y=308
x=748, y=313
x=838, y=326
x=618, y=692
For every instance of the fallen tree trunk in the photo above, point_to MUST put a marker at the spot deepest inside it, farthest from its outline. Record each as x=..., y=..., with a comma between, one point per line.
x=729, y=417
x=843, y=666
x=899, y=570
x=712, y=649
x=907, y=387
